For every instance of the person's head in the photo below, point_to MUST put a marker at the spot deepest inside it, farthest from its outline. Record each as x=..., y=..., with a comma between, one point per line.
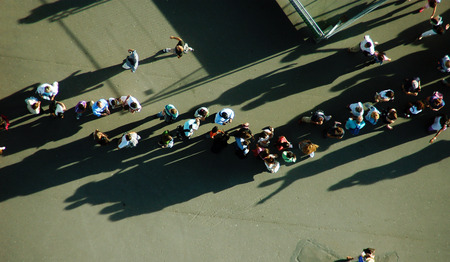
x=420, y=105
x=179, y=50
x=375, y=115
x=309, y=148
x=36, y=105
x=173, y=111
x=390, y=94
x=224, y=115
x=392, y=115
x=265, y=153
x=358, y=109
x=359, y=119
x=369, y=250
x=269, y=160
x=245, y=125
x=437, y=102
x=290, y=154
x=99, y=104
x=81, y=106
x=215, y=129
x=381, y=54
x=60, y=114
x=133, y=105
x=368, y=45
x=338, y=131
x=202, y=112
x=447, y=63
x=48, y=89
x=128, y=137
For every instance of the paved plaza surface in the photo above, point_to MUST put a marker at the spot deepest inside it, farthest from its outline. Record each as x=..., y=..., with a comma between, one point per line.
x=62, y=198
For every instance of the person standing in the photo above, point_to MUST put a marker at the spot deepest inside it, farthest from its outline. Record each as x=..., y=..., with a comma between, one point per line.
x=80, y=108
x=190, y=126
x=129, y=139
x=201, y=113
x=33, y=105
x=130, y=103
x=412, y=86
x=169, y=113
x=179, y=49
x=438, y=123
x=430, y=3
x=47, y=91
x=318, y=118
x=132, y=61
x=100, y=108
x=438, y=27
x=355, y=125
x=224, y=116
x=444, y=64
x=366, y=46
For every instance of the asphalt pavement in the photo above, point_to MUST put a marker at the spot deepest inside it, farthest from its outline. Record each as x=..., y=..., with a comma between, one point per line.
x=64, y=198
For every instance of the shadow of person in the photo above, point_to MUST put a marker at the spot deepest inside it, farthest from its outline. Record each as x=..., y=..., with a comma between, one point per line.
x=401, y=167
x=76, y=83
x=157, y=56
x=58, y=10
x=160, y=179
x=379, y=142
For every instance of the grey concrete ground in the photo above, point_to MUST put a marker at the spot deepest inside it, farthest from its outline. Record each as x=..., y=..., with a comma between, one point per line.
x=64, y=199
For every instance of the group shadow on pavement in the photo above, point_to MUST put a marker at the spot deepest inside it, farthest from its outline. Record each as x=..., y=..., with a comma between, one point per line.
x=146, y=181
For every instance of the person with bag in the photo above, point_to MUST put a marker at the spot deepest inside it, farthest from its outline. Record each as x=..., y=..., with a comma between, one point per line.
x=132, y=61
x=169, y=113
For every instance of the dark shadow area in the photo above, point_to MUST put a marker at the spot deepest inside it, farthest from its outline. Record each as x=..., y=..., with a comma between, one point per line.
x=398, y=168
x=76, y=83
x=382, y=141
x=229, y=34
x=58, y=10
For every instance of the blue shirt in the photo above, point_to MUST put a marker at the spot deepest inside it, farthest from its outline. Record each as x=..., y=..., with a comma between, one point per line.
x=96, y=110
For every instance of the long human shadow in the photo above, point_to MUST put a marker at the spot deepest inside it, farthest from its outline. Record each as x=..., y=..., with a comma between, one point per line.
x=78, y=83
x=238, y=57
x=366, y=148
x=401, y=167
x=162, y=178
x=58, y=10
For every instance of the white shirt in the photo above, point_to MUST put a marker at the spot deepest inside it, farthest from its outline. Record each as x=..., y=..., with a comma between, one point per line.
x=138, y=106
x=221, y=120
x=47, y=95
x=132, y=143
x=371, y=49
x=190, y=126
x=353, y=109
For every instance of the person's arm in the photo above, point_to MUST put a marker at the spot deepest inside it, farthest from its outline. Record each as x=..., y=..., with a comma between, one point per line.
x=176, y=37
x=437, y=134
x=434, y=11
